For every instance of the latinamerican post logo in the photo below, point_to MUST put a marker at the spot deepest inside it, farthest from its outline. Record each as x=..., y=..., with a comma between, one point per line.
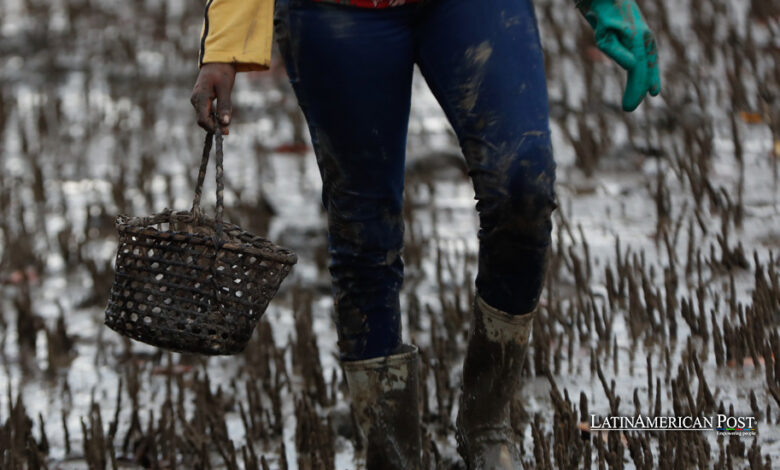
x=722, y=424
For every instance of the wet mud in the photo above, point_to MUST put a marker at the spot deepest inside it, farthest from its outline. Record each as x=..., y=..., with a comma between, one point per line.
x=662, y=296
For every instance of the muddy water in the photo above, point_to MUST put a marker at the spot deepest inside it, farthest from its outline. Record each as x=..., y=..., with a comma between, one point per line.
x=93, y=124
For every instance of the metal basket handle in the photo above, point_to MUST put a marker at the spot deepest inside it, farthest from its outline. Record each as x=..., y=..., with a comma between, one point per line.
x=196, y=210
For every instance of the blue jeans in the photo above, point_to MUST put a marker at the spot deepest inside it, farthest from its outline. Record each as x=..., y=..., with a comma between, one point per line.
x=351, y=69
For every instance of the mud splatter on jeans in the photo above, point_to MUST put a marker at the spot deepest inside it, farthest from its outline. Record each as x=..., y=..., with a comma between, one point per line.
x=355, y=88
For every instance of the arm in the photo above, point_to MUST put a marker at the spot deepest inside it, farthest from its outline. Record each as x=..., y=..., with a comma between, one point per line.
x=236, y=37
x=623, y=35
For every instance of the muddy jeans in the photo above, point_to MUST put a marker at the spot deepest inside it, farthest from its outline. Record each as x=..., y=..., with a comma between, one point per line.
x=351, y=69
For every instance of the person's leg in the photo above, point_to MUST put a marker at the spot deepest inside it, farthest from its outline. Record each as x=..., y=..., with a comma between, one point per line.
x=483, y=61
x=352, y=72
x=351, y=69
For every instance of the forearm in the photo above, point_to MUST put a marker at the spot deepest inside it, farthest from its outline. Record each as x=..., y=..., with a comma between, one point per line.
x=238, y=32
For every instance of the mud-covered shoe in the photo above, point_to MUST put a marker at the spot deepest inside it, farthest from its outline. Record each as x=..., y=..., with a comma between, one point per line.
x=498, y=343
x=385, y=396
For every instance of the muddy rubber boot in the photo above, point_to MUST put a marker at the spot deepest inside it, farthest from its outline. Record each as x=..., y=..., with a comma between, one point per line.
x=491, y=374
x=385, y=396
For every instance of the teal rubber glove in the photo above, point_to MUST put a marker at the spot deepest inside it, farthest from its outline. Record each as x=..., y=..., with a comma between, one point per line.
x=623, y=35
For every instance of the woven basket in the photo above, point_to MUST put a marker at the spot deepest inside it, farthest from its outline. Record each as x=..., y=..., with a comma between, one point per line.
x=190, y=283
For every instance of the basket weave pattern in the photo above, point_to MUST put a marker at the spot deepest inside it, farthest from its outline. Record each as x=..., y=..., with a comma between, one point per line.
x=190, y=283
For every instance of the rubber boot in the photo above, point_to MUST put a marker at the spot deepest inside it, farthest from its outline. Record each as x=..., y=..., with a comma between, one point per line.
x=491, y=374
x=385, y=399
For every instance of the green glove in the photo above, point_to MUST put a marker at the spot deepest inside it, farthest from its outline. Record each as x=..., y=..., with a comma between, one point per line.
x=623, y=35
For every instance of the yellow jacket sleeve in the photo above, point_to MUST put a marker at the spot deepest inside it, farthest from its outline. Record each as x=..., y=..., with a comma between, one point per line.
x=238, y=32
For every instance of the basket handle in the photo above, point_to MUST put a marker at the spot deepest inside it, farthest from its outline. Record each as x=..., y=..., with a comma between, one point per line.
x=196, y=210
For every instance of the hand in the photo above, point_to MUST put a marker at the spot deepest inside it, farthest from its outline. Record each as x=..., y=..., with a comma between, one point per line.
x=215, y=81
x=623, y=35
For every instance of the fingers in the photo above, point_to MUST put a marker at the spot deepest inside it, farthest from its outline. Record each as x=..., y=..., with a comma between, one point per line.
x=652, y=63
x=655, y=81
x=215, y=81
x=609, y=43
x=634, y=60
x=623, y=35
x=201, y=100
x=636, y=87
x=638, y=81
x=645, y=77
x=224, y=109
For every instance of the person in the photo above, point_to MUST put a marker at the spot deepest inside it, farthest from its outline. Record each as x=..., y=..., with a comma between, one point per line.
x=350, y=63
